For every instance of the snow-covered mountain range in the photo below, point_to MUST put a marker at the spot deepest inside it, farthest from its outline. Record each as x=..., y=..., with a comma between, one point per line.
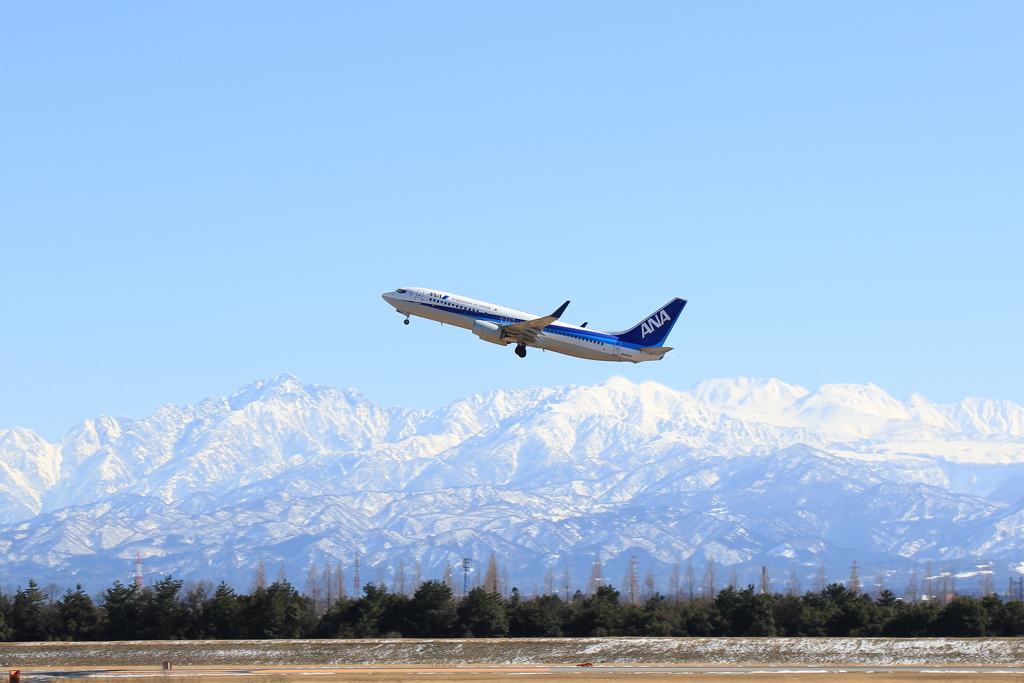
x=748, y=472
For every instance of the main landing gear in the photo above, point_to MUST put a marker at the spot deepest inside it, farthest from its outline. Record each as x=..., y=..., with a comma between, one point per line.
x=406, y=321
x=521, y=350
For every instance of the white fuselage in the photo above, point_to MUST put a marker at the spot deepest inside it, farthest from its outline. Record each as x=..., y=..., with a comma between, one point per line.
x=560, y=337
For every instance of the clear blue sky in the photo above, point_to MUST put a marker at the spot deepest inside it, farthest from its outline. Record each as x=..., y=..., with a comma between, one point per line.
x=197, y=195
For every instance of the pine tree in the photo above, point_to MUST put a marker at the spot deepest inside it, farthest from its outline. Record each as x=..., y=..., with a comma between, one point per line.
x=28, y=618
x=79, y=618
x=221, y=613
x=432, y=611
x=482, y=614
x=121, y=609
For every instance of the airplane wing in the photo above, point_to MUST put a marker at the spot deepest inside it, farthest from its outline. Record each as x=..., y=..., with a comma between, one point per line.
x=528, y=331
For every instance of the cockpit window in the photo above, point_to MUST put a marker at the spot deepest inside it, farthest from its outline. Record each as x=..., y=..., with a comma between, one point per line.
x=400, y=291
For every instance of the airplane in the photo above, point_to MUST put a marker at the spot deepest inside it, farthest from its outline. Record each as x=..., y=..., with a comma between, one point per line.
x=504, y=326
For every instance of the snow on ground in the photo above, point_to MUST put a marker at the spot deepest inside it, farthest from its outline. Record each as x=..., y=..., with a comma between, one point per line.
x=680, y=651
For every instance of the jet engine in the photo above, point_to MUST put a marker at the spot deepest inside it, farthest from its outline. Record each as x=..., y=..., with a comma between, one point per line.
x=489, y=332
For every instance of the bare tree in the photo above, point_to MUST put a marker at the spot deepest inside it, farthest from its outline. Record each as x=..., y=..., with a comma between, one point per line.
x=327, y=582
x=446, y=578
x=194, y=595
x=879, y=584
x=630, y=582
x=766, y=583
x=708, y=584
x=566, y=583
x=649, y=588
x=986, y=580
x=821, y=580
x=313, y=590
x=417, y=577
x=259, y=579
x=911, y=594
x=734, y=580
x=491, y=580
x=673, y=584
x=339, y=583
x=549, y=581
x=793, y=583
x=690, y=581
x=51, y=591
x=400, y=578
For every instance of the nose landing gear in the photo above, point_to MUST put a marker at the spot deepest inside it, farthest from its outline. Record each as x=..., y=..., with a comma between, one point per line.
x=406, y=321
x=521, y=350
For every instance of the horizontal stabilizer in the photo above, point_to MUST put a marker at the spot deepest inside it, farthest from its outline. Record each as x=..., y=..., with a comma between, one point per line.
x=656, y=350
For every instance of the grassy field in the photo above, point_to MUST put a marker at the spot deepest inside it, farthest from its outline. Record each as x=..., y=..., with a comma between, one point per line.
x=525, y=651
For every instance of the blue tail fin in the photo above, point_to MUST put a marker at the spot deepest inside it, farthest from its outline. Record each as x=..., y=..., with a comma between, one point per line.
x=653, y=330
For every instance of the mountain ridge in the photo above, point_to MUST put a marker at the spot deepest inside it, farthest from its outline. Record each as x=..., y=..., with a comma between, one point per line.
x=743, y=470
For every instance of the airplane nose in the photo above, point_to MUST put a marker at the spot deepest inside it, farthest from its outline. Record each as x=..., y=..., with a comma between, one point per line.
x=388, y=296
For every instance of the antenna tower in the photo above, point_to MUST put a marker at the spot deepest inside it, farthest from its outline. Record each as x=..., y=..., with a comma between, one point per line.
x=634, y=583
x=467, y=569
x=137, y=575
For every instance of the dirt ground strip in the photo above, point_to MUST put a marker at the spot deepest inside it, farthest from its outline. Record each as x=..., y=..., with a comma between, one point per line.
x=521, y=651
x=385, y=675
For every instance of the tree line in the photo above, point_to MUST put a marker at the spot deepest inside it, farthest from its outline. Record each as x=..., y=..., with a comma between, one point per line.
x=171, y=609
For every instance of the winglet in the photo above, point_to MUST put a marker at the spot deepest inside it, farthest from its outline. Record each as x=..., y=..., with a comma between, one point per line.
x=561, y=309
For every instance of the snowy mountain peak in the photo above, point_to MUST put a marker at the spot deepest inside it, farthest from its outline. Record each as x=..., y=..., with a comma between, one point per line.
x=764, y=399
x=731, y=468
x=281, y=385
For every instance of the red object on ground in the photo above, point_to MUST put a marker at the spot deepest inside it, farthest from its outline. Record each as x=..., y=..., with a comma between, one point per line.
x=585, y=664
x=15, y=676
x=167, y=666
